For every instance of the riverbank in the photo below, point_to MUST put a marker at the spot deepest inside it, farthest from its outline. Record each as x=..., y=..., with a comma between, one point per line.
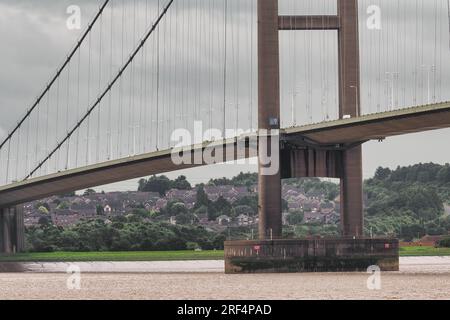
x=169, y=255
x=114, y=256
x=424, y=251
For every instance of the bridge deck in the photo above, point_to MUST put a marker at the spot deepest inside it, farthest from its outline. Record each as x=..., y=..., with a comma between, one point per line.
x=376, y=126
x=109, y=172
x=369, y=127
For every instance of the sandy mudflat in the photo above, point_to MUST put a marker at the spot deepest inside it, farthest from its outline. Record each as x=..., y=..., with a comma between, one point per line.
x=419, y=278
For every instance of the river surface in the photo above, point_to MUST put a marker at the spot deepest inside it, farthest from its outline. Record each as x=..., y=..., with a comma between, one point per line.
x=419, y=278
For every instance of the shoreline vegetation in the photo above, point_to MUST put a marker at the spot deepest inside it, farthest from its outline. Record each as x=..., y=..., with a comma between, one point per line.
x=424, y=251
x=182, y=255
x=63, y=256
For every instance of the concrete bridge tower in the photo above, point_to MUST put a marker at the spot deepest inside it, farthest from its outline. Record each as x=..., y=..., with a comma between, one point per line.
x=309, y=160
x=300, y=157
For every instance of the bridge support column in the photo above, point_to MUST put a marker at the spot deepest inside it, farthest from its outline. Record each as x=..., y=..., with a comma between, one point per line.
x=349, y=105
x=12, y=231
x=352, y=214
x=269, y=202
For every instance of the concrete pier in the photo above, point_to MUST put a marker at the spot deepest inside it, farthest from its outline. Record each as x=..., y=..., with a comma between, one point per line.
x=12, y=230
x=311, y=255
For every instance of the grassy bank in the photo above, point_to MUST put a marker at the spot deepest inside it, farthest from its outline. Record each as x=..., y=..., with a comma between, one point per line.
x=170, y=255
x=424, y=251
x=115, y=256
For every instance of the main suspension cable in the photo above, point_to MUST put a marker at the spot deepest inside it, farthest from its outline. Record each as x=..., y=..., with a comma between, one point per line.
x=111, y=84
x=58, y=73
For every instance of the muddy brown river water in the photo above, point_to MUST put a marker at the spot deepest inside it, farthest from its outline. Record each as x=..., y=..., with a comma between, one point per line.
x=419, y=278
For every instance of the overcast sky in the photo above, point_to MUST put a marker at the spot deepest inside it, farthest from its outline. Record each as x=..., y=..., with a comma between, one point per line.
x=396, y=63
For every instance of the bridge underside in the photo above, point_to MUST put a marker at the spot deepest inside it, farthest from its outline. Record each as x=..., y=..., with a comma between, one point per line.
x=334, y=150
x=120, y=170
x=375, y=126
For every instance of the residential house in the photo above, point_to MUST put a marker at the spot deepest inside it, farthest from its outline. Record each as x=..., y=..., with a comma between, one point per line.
x=223, y=220
x=243, y=220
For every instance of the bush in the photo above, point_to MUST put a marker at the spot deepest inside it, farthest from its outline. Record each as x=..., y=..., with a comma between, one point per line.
x=295, y=218
x=132, y=234
x=192, y=246
x=445, y=243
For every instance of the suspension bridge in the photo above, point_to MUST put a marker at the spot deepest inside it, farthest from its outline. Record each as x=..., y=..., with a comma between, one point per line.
x=319, y=78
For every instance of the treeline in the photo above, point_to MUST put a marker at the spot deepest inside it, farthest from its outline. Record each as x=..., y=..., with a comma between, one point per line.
x=131, y=233
x=430, y=175
x=241, y=180
x=408, y=201
x=162, y=184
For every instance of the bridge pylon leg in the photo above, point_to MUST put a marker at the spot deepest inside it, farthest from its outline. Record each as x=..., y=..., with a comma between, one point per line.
x=269, y=202
x=352, y=214
x=12, y=231
x=349, y=105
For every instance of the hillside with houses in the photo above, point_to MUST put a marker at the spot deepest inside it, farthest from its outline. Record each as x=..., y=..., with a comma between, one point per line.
x=223, y=205
x=163, y=214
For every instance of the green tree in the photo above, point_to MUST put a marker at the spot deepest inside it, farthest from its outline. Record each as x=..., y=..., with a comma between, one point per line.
x=443, y=175
x=220, y=182
x=175, y=208
x=201, y=210
x=250, y=201
x=202, y=198
x=100, y=210
x=142, y=184
x=141, y=212
x=382, y=173
x=218, y=208
x=192, y=245
x=43, y=210
x=284, y=205
x=42, y=204
x=186, y=219
x=295, y=218
x=44, y=221
x=160, y=184
x=89, y=192
x=63, y=206
x=247, y=210
x=445, y=242
x=67, y=195
x=245, y=179
x=181, y=183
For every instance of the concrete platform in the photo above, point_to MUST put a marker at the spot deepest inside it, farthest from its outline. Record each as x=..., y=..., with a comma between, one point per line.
x=311, y=255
